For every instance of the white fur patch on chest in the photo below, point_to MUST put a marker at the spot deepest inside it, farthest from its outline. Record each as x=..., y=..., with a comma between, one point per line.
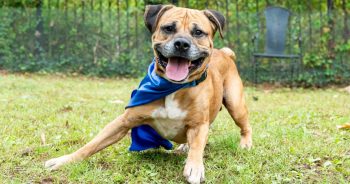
x=168, y=120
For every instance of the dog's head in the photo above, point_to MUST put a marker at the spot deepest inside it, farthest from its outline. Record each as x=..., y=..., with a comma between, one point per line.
x=182, y=40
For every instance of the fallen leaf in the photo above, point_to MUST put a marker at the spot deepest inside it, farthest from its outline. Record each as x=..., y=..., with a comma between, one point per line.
x=344, y=126
x=47, y=181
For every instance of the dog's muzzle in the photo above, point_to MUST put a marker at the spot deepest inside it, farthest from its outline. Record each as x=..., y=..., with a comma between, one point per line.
x=179, y=57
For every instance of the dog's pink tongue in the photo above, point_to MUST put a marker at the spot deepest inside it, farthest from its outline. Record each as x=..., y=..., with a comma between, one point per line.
x=177, y=69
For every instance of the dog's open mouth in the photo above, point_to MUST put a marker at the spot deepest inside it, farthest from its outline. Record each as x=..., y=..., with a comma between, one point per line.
x=178, y=68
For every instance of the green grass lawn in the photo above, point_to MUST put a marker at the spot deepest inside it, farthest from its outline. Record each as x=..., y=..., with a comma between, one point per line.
x=294, y=135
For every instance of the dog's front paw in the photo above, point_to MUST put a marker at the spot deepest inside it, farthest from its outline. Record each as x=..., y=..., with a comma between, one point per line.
x=246, y=139
x=194, y=173
x=246, y=142
x=55, y=163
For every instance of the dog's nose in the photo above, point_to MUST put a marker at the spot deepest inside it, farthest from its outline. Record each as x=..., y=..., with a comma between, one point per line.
x=182, y=44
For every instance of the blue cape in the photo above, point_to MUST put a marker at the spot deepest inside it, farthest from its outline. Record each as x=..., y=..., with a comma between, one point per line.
x=151, y=88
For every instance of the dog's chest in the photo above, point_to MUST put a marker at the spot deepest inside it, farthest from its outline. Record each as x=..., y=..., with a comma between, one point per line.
x=168, y=120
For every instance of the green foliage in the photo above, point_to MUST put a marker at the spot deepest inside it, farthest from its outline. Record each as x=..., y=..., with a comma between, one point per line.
x=344, y=48
x=108, y=38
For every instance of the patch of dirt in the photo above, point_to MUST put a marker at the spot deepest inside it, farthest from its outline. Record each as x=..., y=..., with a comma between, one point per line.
x=43, y=156
x=314, y=167
x=66, y=108
x=73, y=142
x=47, y=181
x=104, y=165
x=3, y=72
x=26, y=152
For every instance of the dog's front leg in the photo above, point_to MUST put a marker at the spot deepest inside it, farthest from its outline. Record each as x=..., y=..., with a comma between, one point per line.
x=111, y=133
x=197, y=138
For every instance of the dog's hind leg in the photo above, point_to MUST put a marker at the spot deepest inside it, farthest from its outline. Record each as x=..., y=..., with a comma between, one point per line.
x=235, y=104
x=111, y=133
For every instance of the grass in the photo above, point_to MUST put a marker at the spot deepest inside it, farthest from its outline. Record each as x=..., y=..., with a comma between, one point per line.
x=295, y=136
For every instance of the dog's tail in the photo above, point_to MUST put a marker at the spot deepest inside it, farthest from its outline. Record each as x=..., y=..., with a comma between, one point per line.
x=229, y=52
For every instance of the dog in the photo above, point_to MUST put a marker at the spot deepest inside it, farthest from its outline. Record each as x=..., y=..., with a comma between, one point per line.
x=182, y=40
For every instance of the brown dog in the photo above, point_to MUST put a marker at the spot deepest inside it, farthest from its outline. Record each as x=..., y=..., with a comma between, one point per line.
x=183, y=46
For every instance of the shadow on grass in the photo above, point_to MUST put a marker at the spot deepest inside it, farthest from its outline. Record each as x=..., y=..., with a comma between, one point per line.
x=159, y=155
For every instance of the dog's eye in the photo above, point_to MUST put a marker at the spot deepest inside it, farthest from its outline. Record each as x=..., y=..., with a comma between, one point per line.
x=169, y=29
x=198, y=33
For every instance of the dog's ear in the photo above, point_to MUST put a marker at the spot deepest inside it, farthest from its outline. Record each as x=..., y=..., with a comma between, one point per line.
x=152, y=15
x=217, y=19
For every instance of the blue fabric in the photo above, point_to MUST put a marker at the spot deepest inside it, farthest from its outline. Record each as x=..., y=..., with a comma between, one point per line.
x=145, y=137
x=154, y=87
x=151, y=88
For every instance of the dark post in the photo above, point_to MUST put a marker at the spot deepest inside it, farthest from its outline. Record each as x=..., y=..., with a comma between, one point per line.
x=228, y=24
x=346, y=33
x=331, y=44
x=321, y=22
x=83, y=12
x=256, y=46
x=92, y=13
x=66, y=34
x=75, y=14
x=50, y=30
x=300, y=34
x=237, y=26
x=299, y=38
x=127, y=25
x=258, y=25
x=39, y=29
x=100, y=15
x=136, y=26
x=118, y=29
x=247, y=23
x=310, y=41
x=289, y=41
x=109, y=10
x=57, y=4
